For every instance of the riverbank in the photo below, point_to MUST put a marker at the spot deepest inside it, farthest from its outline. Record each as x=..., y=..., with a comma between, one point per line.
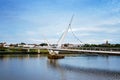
x=22, y=51
x=45, y=51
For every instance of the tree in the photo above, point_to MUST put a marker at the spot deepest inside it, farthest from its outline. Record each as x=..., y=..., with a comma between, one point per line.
x=43, y=44
x=23, y=43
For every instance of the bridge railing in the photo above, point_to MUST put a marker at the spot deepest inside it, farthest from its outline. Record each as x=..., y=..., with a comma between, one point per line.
x=97, y=48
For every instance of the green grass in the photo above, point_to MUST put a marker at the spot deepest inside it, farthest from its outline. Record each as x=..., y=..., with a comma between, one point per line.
x=41, y=50
x=22, y=50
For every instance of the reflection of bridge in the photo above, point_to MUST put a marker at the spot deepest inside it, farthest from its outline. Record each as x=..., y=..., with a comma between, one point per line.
x=83, y=73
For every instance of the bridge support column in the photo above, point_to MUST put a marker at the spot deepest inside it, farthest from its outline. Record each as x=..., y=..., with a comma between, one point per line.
x=28, y=50
x=111, y=50
x=38, y=50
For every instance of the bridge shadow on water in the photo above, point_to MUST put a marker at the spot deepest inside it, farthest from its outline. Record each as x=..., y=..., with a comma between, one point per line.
x=84, y=73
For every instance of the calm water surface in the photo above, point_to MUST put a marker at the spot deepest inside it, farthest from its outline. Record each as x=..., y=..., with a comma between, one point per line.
x=38, y=67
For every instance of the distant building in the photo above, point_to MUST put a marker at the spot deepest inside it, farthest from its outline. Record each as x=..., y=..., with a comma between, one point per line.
x=107, y=42
x=70, y=45
x=26, y=45
x=54, y=45
x=3, y=44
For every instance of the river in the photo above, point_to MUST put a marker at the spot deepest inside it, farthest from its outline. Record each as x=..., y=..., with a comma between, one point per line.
x=78, y=67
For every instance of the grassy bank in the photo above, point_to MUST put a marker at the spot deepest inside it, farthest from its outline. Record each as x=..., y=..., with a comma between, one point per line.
x=20, y=50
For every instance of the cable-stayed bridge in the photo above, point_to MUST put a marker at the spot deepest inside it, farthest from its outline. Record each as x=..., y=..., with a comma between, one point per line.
x=81, y=49
x=61, y=39
x=58, y=48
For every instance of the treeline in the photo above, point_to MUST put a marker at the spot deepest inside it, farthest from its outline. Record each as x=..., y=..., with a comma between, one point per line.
x=101, y=45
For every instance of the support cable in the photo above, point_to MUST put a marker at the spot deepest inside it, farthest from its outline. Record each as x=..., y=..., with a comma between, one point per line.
x=75, y=35
x=65, y=33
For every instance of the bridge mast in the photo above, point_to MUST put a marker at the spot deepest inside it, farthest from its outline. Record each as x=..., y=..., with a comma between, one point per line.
x=65, y=33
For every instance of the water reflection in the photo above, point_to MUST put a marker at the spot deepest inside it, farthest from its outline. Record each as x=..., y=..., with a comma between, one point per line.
x=54, y=65
x=20, y=56
x=38, y=67
x=96, y=73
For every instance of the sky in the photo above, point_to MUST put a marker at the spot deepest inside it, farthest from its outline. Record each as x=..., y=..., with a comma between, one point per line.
x=34, y=21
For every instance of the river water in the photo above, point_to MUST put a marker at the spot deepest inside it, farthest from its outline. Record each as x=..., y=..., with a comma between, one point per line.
x=79, y=67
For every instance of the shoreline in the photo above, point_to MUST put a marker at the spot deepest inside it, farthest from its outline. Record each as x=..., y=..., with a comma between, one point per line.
x=61, y=52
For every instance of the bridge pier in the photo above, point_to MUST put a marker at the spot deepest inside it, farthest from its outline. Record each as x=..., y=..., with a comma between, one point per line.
x=38, y=50
x=28, y=50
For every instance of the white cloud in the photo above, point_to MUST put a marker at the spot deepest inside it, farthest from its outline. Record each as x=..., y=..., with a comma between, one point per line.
x=33, y=40
x=84, y=34
x=86, y=29
x=51, y=41
x=31, y=33
x=96, y=29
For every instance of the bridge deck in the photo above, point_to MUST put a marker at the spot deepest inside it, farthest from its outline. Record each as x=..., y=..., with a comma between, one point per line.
x=77, y=50
x=89, y=51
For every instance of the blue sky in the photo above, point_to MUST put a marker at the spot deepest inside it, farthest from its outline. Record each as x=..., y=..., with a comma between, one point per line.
x=95, y=21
